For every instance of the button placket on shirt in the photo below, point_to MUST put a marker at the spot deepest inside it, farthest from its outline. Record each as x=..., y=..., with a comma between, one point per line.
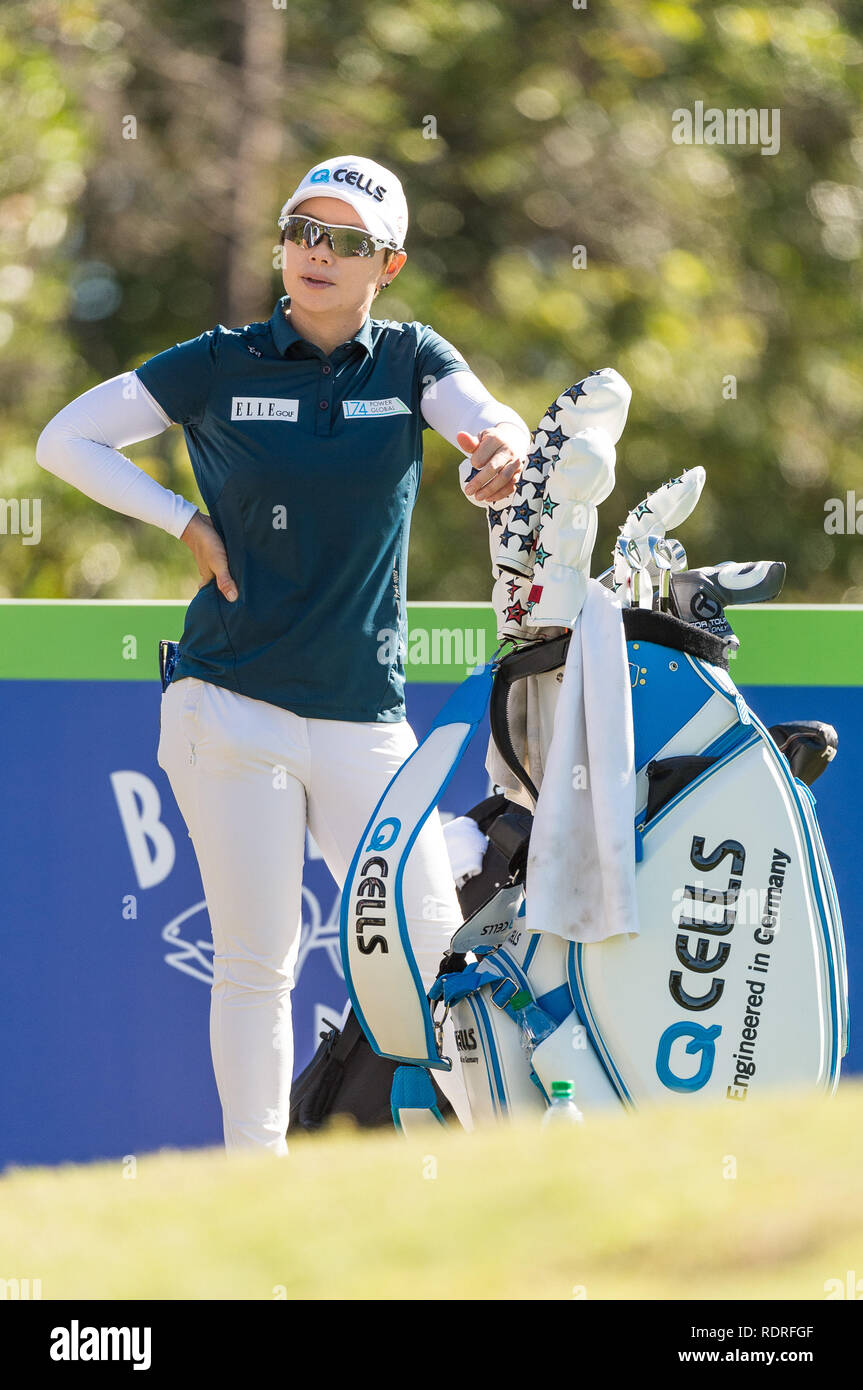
x=325, y=382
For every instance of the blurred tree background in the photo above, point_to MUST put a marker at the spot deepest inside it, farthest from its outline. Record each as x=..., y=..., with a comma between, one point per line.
x=146, y=150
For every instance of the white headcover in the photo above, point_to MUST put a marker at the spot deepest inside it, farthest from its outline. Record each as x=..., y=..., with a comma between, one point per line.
x=577, y=435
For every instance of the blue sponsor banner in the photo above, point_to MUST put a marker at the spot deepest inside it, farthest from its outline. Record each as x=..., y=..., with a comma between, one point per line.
x=106, y=943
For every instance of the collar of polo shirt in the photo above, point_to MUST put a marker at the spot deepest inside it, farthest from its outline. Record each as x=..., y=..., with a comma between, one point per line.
x=285, y=335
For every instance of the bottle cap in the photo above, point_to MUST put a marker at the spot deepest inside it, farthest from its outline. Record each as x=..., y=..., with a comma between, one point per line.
x=520, y=999
x=563, y=1088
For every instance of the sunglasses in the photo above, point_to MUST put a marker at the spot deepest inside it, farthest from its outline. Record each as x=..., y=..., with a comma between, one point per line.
x=345, y=241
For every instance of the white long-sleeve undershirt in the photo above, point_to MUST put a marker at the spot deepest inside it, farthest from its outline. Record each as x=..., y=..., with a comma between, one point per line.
x=82, y=443
x=461, y=402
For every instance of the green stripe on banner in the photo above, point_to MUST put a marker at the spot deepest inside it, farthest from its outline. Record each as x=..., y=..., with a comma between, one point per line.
x=115, y=640
x=798, y=644
x=90, y=639
x=93, y=639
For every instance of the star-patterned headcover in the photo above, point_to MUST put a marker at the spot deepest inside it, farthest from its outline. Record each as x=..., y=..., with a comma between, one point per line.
x=659, y=512
x=546, y=531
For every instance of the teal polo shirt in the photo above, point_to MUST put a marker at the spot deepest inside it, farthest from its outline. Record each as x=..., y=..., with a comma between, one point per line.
x=309, y=465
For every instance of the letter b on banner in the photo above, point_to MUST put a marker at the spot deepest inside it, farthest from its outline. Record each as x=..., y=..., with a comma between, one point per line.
x=151, y=843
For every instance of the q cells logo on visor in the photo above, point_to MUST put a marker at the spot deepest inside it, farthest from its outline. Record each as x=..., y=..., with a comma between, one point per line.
x=354, y=177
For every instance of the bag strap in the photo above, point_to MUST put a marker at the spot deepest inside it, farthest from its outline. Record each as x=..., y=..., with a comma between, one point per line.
x=378, y=956
x=639, y=625
x=543, y=656
x=413, y=1089
x=347, y=1038
x=452, y=988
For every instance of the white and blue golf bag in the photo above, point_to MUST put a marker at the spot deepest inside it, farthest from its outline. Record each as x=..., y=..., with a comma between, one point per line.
x=733, y=983
x=736, y=982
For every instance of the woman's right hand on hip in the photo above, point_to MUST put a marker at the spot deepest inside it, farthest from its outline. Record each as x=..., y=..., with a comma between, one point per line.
x=206, y=545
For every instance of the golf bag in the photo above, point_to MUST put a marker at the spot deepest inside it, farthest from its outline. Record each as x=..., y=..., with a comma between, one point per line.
x=736, y=982
x=723, y=975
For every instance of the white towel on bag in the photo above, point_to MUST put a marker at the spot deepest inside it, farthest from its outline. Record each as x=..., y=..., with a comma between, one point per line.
x=581, y=861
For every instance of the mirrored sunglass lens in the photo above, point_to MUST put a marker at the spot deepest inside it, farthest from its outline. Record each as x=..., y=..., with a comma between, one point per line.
x=294, y=230
x=357, y=244
x=313, y=232
x=302, y=232
x=345, y=241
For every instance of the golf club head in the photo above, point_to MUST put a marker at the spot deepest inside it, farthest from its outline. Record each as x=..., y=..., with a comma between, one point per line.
x=676, y=554
x=633, y=552
x=660, y=552
x=663, y=561
x=700, y=596
x=753, y=581
x=630, y=560
x=695, y=600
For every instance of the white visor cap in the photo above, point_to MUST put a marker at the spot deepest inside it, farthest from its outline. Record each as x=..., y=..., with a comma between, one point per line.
x=374, y=191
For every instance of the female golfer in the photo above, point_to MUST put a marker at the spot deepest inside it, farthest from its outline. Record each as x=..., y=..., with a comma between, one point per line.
x=286, y=705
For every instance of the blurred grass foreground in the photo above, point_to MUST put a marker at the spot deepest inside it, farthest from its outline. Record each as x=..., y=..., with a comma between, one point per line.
x=716, y=1202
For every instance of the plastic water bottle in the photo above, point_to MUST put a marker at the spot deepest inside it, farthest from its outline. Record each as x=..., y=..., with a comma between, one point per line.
x=563, y=1111
x=535, y=1024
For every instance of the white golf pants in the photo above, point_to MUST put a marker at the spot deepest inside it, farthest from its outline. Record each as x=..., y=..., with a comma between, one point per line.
x=248, y=776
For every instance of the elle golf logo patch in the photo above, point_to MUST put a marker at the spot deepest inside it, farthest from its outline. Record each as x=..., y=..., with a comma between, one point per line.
x=263, y=408
x=364, y=410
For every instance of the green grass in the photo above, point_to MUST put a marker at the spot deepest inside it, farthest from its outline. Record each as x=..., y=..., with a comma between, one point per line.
x=626, y=1207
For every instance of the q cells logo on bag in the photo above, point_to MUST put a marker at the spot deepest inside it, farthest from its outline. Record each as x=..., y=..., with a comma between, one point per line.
x=701, y=1041
x=371, y=891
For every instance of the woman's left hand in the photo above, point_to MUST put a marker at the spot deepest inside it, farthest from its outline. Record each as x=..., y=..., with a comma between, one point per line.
x=499, y=454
